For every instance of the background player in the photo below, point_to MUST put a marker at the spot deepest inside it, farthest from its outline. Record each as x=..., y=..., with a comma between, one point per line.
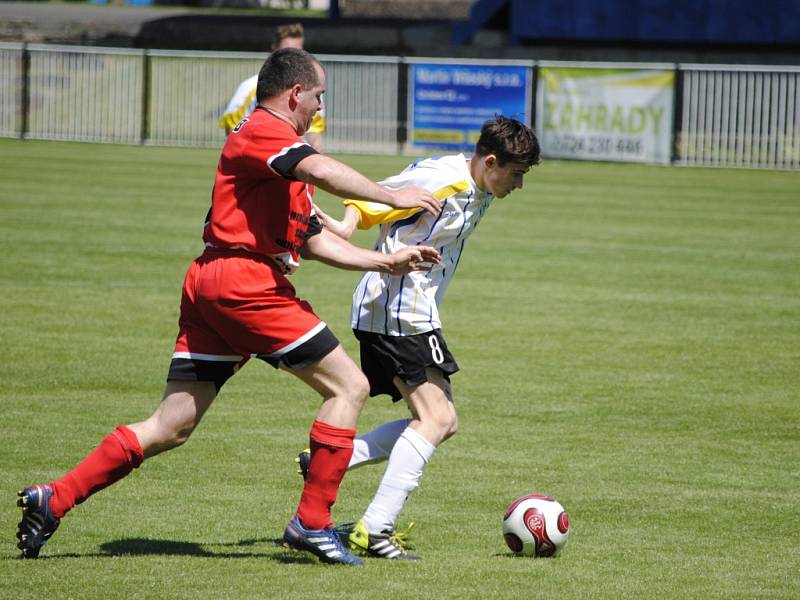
x=396, y=317
x=237, y=303
x=243, y=101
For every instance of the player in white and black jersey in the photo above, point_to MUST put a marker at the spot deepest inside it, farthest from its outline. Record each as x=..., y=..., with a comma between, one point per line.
x=396, y=318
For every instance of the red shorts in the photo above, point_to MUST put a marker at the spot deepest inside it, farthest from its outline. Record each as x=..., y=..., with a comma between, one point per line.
x=236, y=305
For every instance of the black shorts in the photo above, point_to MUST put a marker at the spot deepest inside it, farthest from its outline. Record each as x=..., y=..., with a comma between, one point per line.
x=384, y=357
x=218, y=371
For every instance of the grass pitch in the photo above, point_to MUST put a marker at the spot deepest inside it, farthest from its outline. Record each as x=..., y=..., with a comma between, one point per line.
x=629, y=338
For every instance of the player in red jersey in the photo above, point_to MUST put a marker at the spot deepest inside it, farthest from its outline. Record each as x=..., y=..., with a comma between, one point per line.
x=237, y=303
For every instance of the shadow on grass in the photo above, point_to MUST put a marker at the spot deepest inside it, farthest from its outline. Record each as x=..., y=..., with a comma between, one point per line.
x=153, y=547
x=287, y=555
x=144, y=547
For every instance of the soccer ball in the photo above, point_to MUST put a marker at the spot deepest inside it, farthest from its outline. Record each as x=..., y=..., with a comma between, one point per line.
x=535, y=525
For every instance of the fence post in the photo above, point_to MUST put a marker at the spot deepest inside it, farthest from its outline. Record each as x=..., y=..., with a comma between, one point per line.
x=145, y=133
x=677, y=114
x=25, y=91
x=534, y=90
x=402, y=105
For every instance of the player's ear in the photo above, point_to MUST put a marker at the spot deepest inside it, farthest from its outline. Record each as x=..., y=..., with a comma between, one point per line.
x=295, y=92
x=490, y=160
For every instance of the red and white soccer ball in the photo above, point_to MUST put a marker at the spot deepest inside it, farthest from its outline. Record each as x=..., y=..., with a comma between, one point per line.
x=536, y=525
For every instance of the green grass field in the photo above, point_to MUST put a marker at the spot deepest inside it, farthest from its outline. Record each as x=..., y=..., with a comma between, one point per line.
x=629, y=338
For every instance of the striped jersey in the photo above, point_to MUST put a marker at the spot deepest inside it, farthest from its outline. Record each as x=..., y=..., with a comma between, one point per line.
x=409, y=304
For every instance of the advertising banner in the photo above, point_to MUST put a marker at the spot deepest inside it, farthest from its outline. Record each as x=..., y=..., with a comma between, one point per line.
x=605, y=114
x=448, y=103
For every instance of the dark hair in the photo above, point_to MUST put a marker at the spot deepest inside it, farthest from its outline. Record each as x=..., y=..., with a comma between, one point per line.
x=292, y=30
x=509, y=140
x=283, y=69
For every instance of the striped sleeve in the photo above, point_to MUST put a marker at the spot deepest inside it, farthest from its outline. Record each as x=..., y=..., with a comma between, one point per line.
x=240, y=105
x=375, y=213
x=440, y=178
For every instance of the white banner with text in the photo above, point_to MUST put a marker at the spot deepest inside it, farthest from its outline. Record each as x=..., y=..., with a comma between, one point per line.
x=605, y=113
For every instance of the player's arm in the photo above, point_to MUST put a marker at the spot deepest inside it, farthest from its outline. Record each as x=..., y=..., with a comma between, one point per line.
x=439, y=181
x=337, y=178
x=332, y=250
x=344, y=228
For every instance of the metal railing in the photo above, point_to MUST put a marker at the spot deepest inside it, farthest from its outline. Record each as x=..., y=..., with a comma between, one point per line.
x=729, y=116
x=187, y=93
x=739, y=117
x=361, y=104
x=11, y=89
x=84, y=94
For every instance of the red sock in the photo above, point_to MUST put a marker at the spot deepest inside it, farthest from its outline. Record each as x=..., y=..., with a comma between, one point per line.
x=331, y=449
x=116, y=456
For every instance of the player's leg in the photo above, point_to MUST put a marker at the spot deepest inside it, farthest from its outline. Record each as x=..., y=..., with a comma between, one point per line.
x=255, y=309
x=382, y=358
x=431, y=404
x=343, y=389
x=369, y=448
x=201, y=364
x=180, y=412
x=121, y=451
x=376, y=444
x=435, y=420
x=124, y=449
x=340, y=383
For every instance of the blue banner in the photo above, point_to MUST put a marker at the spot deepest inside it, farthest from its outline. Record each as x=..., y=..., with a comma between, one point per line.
x=448, y=103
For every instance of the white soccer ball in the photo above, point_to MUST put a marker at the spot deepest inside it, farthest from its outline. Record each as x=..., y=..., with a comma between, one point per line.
x=535, y=525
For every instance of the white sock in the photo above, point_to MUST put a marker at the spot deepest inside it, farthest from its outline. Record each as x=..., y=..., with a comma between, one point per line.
x=409, y=456
x=375, y=446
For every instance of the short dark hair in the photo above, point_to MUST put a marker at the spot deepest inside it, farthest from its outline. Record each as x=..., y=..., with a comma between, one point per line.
x=283, y=69
x=509, y=140
x=292, y=30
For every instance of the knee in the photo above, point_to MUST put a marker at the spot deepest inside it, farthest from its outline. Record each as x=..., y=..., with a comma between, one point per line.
x=357, y=389
x=350, y=394
x=164, y=436
x=179, y=437
x=440, y=427
x=449, y=427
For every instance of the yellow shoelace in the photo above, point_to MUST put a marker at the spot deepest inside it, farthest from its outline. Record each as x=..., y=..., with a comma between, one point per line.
x=400, y=538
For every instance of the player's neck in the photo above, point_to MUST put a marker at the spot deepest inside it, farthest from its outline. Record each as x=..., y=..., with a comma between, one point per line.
x=279, y=114
x=476, y=171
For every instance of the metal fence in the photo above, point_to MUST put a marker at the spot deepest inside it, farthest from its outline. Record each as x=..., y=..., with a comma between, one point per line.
x=11, y=89
x=728, y=116
x=739, y=116
x=173, y=98
x=84, y=94
x=187, y=93
x=361, y=104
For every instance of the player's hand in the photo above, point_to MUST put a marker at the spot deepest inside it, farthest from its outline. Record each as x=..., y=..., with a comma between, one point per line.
x=413, y=196
x=340, y=228
x=344, y=228
x=413, y=258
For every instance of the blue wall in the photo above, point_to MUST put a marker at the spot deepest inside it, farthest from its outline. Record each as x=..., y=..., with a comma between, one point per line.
x=679, y=21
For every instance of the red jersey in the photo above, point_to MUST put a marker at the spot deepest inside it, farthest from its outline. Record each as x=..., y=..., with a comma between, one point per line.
x=257, y=204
